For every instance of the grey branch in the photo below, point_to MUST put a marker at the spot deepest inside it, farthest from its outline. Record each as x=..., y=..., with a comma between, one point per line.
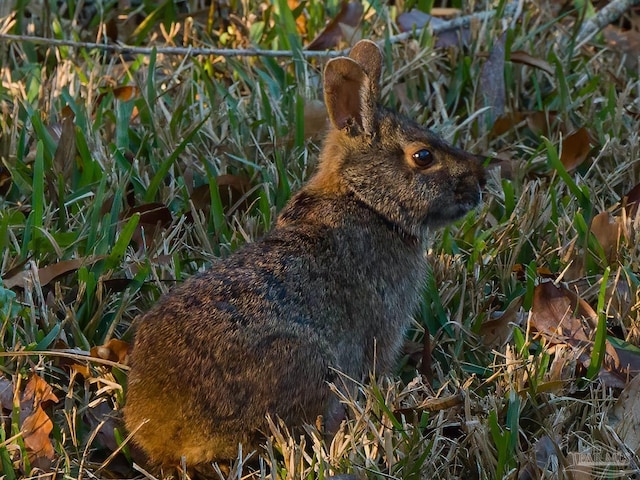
x=608, y=14
x=244, y=52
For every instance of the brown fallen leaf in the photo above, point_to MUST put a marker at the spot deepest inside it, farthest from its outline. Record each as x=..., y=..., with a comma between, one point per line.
x=6, y=394
x=627, y=42
x=154, y=218
x=232, y=189
x=521, y=271
x=350, y=15
x=450, y=37
x=497, y=331
x=126, y=93
x=524, y=58
x=575, y=148
x=561, y=317
x=607, y=229
x=36, y=429
x=301, y=20
x=65, y=155
x=315, y=119
x=631, y=201
x=51, y=272
x=114, y=350
x=36, y=426
x=546, y=452
x=540, y=123
x=624, y=416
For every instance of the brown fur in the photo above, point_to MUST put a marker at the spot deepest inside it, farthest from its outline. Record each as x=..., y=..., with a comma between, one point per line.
x=331, y=288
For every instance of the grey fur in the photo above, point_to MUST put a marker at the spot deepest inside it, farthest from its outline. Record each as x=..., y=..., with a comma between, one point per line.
x=331, y=287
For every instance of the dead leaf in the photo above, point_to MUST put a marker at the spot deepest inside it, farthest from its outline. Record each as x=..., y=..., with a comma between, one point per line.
x=546, y=453
x=330, y=37
x=65, y=155
x=542, y=272
x=102, y=416
x=539, y=122
x=449, y=37
x=624, y=416
x=38, y=391
x=126, y=93
x=414, y=18
x=492, y=87
x=233, y=193
x=520, y=56
x=631, y=201
x=627, y=42
x=36, y=429
x=154, y=217
x=36, y=426
x=575, y=149
x=6, y=394
x=562, y=317
x=51, y=272
x=301, y=20
x=607, y=230
x=497, y=331
x=445, y=12
x=114, y=350
x=315, y=119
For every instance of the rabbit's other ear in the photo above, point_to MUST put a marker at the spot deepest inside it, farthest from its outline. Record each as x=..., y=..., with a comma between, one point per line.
x=369, y=56
x=351, y=96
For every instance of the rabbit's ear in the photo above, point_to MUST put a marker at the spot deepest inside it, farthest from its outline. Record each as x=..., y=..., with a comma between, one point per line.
x=369, y=56
x=350, y=95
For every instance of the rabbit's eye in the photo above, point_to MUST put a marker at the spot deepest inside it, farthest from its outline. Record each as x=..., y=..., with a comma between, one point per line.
x=423, y=158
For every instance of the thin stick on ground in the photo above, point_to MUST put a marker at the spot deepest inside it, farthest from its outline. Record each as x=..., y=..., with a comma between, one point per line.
x=246, y=52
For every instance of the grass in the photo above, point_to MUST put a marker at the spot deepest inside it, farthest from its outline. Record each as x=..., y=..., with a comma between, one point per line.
x=126, y=174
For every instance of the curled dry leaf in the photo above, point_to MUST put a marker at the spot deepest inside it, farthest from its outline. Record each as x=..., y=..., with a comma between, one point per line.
x=51, y=272
x=497, y=331
x=607, y=230
x=114, y=350
x=349, y=16
x=523, y=57
x=575, y=148
x=562, y=317
x=36, y=426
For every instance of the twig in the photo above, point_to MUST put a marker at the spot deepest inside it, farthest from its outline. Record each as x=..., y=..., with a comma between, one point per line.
x=606, y=15
x=244, y=52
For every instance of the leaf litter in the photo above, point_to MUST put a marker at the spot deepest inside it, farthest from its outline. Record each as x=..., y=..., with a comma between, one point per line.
x=457, y=432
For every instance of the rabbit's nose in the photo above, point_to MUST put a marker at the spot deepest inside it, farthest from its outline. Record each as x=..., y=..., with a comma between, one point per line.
x=480, y=170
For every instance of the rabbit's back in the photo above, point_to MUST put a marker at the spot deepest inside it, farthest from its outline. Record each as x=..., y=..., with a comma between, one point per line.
x=266, y=330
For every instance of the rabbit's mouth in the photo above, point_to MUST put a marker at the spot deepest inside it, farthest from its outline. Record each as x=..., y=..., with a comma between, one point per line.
x=458, y=207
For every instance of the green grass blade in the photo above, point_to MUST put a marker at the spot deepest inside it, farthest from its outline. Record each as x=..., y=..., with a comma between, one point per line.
x=600, y=342
x=165, y=166
x=120, y=247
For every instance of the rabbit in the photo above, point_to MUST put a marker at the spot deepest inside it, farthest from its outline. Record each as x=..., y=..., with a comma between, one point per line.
x=330, y=290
